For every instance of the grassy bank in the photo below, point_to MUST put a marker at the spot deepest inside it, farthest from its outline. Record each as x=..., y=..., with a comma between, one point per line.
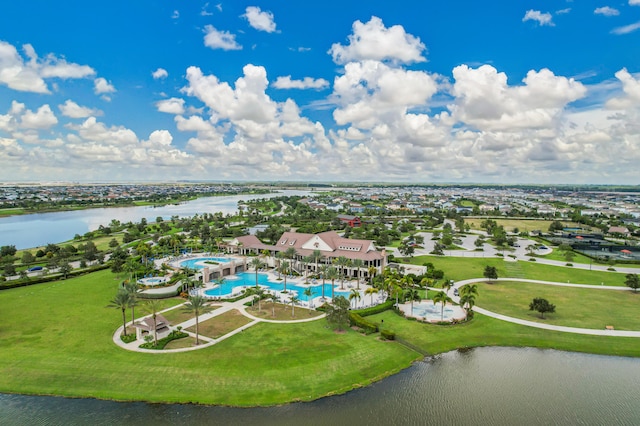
x=575, y=307
x=464, y=268
x=56, y=339
x=486, y=331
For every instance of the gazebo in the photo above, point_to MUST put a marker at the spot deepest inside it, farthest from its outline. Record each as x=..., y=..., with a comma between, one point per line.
x=145, y=326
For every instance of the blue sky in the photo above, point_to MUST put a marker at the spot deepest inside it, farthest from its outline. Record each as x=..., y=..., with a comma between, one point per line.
x=403, y=91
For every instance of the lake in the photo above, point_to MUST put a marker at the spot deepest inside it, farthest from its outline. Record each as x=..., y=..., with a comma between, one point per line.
x=33, y=230
x=493, y=386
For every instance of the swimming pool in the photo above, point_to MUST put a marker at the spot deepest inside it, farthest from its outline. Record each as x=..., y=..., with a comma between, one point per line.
x=248, y=279
x=151, y=281
x=200, y=262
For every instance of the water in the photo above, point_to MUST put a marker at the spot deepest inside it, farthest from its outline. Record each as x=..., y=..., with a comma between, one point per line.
x=197, y=263
x=485, y=386
x=35, y=230
x=431, y=312
x=248, y=279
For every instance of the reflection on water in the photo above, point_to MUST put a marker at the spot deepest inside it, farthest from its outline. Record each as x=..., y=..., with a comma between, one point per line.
x=496, y=386
x=34, y=230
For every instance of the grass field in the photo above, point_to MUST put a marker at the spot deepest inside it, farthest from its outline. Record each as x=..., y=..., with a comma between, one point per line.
x=282, y=312
x=521, y=224
x=221, y=324
x=56, y=339
x=486, y=331
x=575, y=307
x=464, y=268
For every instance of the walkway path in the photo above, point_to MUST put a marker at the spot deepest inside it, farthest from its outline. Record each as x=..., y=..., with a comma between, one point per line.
x=594, y=332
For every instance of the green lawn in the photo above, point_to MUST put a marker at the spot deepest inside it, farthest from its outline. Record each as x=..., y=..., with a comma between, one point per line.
x=522, y=224
x=575, y=307
x=221, y=324
x=56, y=339
x=486, y=331
x=465, y=268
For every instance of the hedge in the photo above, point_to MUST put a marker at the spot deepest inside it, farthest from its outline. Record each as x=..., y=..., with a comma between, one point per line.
x=375, y=309
x=388, y=334
x=50, y=278
x=367, y=326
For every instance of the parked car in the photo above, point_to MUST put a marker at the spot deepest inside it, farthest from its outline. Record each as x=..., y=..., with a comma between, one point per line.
x=455, y=292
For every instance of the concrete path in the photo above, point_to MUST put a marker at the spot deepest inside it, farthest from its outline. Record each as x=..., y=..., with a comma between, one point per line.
x=590, y=331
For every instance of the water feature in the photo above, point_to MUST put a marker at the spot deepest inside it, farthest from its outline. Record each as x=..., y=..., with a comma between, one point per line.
x=201, y=262
x=38, y=229
x=496, y=386
x=432, y=312
x=151, y=281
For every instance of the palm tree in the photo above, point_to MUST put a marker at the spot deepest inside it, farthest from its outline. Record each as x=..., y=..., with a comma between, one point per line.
x=130, y=266
x=259, y=292
x=395, y=290
x=446, y=285
x=342, y=262
x=306, y=261
x=274, y=299
x=291, y=253
x=257, y=264
x=371, y=291
x=152, y=306
x=198, y=306
x=413, y=295
x=372, y=273
x=468, y=294
x=317, y=257
x=354, y=295
x=332, y=274
x=358, y=263
x=132, y=288
x=293, y=300
x=279, y=258
x=284, y=268
x=442, y=298
x=324, y=269
x=121, y=301
x=309, y=293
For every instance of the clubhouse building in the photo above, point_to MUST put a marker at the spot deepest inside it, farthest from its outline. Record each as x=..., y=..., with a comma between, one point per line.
x=328, y=244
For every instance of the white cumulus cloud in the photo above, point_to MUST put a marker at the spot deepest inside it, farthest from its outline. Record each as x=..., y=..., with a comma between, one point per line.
x=220, y=39
x=160, y=73
x=606, y=11
x=539, y=17
x=101, y=85
x=29, y=76
x=73, y=110
x=171, y=106
x=42, y=118
x=285, y=82
x=259, y=20
x=372, y=40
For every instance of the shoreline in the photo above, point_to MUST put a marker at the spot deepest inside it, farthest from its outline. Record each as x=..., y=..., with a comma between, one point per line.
x=295, y=400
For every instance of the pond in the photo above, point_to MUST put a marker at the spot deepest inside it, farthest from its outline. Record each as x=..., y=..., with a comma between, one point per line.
x=496, y=386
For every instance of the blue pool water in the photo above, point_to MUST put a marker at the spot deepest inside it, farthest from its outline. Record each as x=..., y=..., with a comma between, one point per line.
x=198, y=262
x=249, y=279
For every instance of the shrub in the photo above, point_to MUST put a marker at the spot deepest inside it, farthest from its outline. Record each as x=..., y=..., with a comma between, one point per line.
x=375, y=309
x=388, y=334
x=358, y=321
x=128, y=338
x=569, y=264
x=174, y=335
